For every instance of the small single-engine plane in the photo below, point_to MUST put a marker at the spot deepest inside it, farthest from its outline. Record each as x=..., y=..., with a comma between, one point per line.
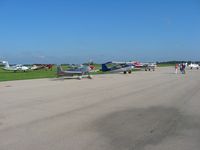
x=145, y=66
x=41, y=66
x=14, y=68
x=149, y=66
x=137, y=64
x=194, y=66
x=117, y=67
x=77, y=73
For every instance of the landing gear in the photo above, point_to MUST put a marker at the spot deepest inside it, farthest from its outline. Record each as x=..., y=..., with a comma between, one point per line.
x=124, y=72
x=80, y=77
x=129, y=71
x=89, y=77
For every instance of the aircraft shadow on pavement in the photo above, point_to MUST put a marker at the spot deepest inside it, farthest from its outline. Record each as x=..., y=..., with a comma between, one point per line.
x=62, y=79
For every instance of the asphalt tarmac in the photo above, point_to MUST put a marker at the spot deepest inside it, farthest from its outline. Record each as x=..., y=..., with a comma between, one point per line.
x=141, y=111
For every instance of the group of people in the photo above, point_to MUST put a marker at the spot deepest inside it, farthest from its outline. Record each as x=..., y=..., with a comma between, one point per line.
x=182, y=68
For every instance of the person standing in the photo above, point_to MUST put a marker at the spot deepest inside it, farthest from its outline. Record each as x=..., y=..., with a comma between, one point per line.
x=176, y=68
x=183, y=67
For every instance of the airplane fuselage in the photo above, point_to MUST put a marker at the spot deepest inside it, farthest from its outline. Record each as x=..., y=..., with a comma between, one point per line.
x=194, y=66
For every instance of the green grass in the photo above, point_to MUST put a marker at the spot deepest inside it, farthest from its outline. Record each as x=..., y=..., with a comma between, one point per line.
x=10, y=75
x=165, y=65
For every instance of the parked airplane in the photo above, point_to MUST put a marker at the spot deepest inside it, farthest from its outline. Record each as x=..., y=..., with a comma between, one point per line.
x=145, y=66
x=137, y=64
x=149, y=66
x=195, y=66
x=41, y=66
x=77, y=73
x=117, y=67
x=14, y=68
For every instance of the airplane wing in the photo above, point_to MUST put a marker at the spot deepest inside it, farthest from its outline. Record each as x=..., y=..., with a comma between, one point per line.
x=73, y=72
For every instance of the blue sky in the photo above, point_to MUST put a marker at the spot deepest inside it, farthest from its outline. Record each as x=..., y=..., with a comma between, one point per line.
x=75, y=31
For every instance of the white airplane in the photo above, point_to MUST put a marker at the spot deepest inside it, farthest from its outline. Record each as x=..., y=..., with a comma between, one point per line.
x=191, y=66
x=149, y=66
x=14, y=68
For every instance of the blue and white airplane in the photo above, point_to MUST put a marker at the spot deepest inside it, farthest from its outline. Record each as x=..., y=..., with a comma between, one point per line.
x=117, y=67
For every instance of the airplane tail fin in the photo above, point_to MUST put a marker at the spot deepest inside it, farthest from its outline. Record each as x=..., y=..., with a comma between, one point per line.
x=86, y=69
x=59, y=70
x=104, y=67
x=6, y=64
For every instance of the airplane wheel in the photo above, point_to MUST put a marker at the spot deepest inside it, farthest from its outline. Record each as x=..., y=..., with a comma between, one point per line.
x=89, y=77
x=124, y=72
x=129, y=71
x=191, y=68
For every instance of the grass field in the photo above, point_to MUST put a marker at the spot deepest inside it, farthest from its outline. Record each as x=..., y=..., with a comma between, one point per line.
x=10, y=75
x=165, y=65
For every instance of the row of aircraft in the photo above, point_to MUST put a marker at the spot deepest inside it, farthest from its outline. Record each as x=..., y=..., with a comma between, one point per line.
x=83, y=71
x=127, y=67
